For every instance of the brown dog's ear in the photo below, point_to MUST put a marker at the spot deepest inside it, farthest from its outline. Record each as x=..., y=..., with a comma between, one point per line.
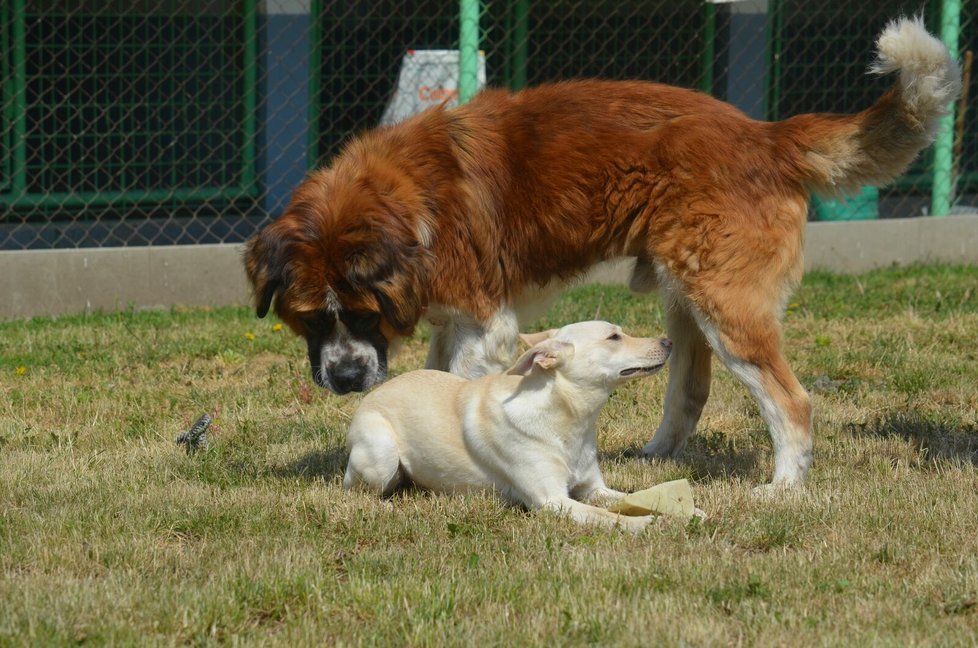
x=263, y=300
x=397, y=308
x=396, y=275
x=548, y=354
x=263, y=263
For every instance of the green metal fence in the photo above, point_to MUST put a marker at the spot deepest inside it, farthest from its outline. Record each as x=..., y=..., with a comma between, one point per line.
x=115, y=107
x=175, y=121
x=840, y=83
x=533, y=42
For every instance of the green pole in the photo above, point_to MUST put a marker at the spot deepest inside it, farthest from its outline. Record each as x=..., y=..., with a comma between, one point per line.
x=468, y=50
x=5, y=107
x=772, y=80
x=315, y=80
x=19, y=139
x=250, y=93
x=708, y=54
x=521, y=43
x=942, y=187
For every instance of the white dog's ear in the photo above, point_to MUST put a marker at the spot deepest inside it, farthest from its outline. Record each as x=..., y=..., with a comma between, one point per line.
x=547, y=354
x=532, y=339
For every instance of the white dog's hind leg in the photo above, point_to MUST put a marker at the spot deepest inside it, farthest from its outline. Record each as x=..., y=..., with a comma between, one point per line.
x=689, y=384
x=375, y=464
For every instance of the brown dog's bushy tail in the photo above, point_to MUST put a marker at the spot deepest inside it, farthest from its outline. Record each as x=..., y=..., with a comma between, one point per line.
x=841, y=153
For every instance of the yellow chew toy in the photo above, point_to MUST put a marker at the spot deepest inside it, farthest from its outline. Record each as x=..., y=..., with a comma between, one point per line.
x=673, y=498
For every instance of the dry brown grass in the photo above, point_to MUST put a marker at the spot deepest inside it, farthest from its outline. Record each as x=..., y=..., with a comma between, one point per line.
x=109, y=533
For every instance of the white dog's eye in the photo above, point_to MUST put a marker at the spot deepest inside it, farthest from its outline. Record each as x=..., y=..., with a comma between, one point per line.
x=614, y=337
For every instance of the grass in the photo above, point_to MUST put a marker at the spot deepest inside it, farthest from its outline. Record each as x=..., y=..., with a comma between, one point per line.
x=110, y=534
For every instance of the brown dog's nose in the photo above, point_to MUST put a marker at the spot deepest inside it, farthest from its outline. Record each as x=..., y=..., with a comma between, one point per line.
x=666, y=344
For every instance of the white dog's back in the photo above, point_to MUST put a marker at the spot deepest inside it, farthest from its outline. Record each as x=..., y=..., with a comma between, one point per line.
x=423, y=412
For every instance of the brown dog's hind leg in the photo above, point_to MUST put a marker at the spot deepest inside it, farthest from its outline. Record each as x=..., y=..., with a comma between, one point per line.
x=752, y=352
x=689, y=383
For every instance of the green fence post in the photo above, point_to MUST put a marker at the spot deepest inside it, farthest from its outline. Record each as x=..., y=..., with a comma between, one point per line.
x=942, y=189
x=772, y=78
x=315, y=81
x=5, y=118
x=468, y=50
x=250, y=95
x=19, y=140
x=709, y=47
x=521, y=44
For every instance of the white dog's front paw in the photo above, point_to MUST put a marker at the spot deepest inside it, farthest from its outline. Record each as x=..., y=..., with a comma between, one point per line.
x=635, y=524
x=604, y=497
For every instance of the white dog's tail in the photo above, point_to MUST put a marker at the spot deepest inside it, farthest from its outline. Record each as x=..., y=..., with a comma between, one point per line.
x=840, y=153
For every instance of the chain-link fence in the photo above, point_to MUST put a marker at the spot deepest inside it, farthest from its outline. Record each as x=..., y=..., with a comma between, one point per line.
x=136, y=122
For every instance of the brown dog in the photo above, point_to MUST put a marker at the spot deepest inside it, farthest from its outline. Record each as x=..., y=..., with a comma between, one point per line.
x=467, y=216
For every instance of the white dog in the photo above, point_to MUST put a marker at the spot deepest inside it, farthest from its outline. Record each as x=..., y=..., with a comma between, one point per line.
x=529, y=434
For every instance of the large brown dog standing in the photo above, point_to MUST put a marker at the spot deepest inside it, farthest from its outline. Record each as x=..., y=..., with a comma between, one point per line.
x=467, y=216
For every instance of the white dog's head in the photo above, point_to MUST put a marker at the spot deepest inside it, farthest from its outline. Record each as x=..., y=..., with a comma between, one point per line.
x=596, y=354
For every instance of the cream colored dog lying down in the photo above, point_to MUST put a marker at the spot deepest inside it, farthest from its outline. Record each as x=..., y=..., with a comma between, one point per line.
x=529, y=434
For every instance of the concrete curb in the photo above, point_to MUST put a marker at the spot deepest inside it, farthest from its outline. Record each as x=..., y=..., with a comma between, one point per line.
x=58, y=282
x=852, y=247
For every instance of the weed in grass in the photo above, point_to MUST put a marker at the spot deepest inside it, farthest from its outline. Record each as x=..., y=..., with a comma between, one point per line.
x=912, y=382
x=884, y=555
x=837, y=586
x=729, y=597
x=960, y=604
x=774, y=532
x=590, y=631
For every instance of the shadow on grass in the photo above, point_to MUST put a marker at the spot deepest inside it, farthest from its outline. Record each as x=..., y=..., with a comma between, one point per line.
x=936, y=441
x=315, y=465
x=711, y=456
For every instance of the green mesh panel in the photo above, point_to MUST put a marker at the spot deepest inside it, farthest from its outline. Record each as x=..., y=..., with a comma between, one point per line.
x=132, y=102
x=362, y=44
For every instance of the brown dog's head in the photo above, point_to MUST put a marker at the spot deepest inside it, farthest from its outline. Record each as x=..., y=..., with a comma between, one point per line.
x=345, y=267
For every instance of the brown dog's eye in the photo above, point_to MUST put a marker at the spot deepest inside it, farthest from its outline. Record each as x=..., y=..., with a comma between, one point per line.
x=321, y=323
x=360, y=322
x=614, y=337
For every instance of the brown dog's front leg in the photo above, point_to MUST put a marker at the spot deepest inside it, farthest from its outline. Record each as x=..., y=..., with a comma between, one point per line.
x=689, y=385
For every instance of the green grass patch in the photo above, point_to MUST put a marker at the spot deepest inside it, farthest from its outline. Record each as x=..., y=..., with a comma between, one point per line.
x=111, y=534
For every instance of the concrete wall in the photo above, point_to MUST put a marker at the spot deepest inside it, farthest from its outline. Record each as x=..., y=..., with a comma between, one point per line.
x=859, y=246
x=55, y=282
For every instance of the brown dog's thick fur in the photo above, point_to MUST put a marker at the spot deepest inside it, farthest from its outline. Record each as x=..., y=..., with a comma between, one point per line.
x=468, y=209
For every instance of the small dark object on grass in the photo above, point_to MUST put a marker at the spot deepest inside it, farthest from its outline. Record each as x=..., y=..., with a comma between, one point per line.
x=196, y=437
x=826, y=384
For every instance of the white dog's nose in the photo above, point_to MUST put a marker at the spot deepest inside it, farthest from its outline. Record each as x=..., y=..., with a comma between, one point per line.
x=666, y=344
